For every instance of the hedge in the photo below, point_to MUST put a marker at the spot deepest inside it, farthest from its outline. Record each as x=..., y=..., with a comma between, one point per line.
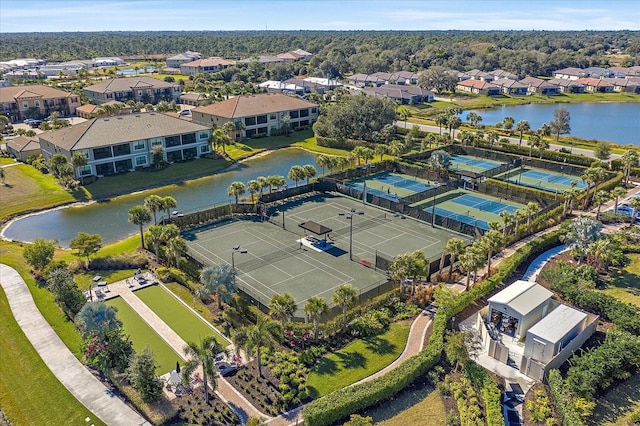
x=564, y=401
x=338, y=405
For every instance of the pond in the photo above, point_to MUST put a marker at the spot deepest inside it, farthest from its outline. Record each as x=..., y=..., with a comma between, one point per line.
x=110, y=218
x=607, y=121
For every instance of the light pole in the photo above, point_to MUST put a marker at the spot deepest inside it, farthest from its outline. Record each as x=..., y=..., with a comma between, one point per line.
x=235, y=249
x=433, y=207
x=350, y=217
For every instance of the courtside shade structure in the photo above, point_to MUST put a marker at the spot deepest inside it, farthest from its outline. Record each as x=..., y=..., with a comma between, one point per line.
x=315, y=228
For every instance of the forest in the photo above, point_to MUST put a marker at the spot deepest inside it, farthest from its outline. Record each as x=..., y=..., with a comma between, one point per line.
x=339, y=53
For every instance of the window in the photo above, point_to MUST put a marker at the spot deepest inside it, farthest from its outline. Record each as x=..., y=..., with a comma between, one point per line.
x=170, y=141
x=250, y=121
x=100, y=153
x=204, y=149
x=304, y=122
x=314, y=110
x=250, y=133
x=122, y=149
x=25, y=105
x=141, y=160
x=188, y=138
x=138, y=145
x=37, y=104
x=262, y=119
x=85, y=170
x=155, y=141
x=272, y=116
x=304, y=113
x=293, y=114
x=262, y=130
x=203, y=135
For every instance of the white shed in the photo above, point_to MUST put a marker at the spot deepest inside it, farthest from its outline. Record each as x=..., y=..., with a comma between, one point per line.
x=550, y=335
x=518, y=307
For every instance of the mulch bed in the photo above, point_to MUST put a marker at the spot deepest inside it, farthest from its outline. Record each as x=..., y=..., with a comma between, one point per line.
x=262, y=392
x=530, y=396
x=192, y=409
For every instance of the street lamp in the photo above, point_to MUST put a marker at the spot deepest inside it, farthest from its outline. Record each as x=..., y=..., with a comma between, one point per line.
x=236, y=249
x=350, y=217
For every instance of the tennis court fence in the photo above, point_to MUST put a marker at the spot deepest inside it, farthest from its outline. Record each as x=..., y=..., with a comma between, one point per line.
x=194, y=218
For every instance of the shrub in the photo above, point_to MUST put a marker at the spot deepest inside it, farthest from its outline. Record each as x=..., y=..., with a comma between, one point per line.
x=120, y=261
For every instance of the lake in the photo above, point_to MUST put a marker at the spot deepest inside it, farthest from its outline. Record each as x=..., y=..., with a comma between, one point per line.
x=607, y=121
x=110, y=218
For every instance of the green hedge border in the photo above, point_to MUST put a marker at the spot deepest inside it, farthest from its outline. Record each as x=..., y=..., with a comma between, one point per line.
x=338, y=405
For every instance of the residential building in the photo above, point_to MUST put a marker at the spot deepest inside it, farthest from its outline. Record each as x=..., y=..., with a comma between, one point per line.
x=540, y=87
x=302, y=52
x=511, y=87
x=125, y=142
x=480, y=75
x=498, y=73
x=24, y=75
x=405, y=95
x=478, y=87
x=629, y=84
x=595, y=85
x=290, y=56
x=633, y=71
x=566, y=85
x=206, y=65
x=64, y=68
x=286, y=87
x=22, y=147
x=143, y=89
x=364, y=80
x=182, y=58
x=599, y=72
x=263, y=59
x=108, y=62
x=399, y=77
x=314, y=84
x=259, y=114
x=194, y=99
x=91, y=111
x=551, y=331
x=570, y=73
x=36, y=101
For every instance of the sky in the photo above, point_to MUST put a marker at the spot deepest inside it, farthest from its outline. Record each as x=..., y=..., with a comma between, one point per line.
x=229, y=15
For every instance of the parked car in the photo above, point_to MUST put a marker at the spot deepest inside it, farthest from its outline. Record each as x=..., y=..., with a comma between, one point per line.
x=185, y=112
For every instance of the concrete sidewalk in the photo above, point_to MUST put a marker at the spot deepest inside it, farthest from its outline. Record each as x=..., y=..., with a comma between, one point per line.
x=71, y=373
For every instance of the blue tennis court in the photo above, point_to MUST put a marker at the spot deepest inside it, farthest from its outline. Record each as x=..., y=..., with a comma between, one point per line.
x=467, y=162
x=461, y=218
x=554, y=177
x=472, y=201
x=402, y=182
x=377, y=192
x=542, y=179
x=391, y=186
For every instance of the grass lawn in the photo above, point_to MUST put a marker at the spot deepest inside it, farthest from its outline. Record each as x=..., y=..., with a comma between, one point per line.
x=187, y=297
x=27, y=189
x=30, y=393
x=357, y=360
x=143, y=336
x=428, y=411
x=615, y=407
x=177, y=316
x=626, y=286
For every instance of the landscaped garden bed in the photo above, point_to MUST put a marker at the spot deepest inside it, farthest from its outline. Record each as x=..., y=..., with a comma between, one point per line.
x=262, y=392
x=192, y=409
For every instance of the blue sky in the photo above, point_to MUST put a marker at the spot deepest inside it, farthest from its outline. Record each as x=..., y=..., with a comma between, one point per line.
x=142, y=15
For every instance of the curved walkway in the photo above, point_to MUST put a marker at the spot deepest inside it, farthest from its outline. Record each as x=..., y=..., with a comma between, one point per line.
x=71, y=373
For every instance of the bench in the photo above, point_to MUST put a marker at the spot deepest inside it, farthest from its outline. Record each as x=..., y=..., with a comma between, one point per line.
x=365, y=263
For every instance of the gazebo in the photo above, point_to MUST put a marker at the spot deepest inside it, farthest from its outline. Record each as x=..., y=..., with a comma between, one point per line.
x=317, y=229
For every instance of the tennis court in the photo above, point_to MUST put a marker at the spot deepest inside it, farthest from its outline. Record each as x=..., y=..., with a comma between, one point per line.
x=469, y=207
x=281, y=259
x=392, y=186
x=542, y=179
x=473, y=164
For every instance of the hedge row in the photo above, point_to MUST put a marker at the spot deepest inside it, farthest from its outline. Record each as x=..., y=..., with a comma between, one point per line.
x=337, y=143
x=340, y=404
x=563, y=400
x=560, y=157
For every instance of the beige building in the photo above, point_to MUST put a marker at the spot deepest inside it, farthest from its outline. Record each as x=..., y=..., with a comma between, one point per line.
x=142, y=89
x=125, y=142
x=213, y=64
x=36, y=101
x=260, y=114
x=21, y=147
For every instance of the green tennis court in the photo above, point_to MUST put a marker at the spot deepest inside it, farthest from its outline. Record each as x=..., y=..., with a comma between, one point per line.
x=473, y=164
x=542, y=179
x=176, y=315
x=143, y=336
x=469, y=207
x=392, y=185
x=282, y=259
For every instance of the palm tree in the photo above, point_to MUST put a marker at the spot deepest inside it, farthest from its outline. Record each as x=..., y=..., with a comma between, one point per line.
x=593, y=176
x=153, y=203
x=441, y=120
x=79, y=159
x=602, y=251
x=253, y=187
x=322, y=161
x=282, y=307
x=296, y=173
x=236, y=189
x=229, y=129
x=168, y=203
x=519, y=215
x=601, y=197
x=219, y=279
x=253, y=339
x=381, y=150
x=531, y=209
x=96, y=318
x=543, y=145
x=533, y=142
x=467, y=263
x=522, y=127
x=492, y=137
x=474, y=119
x=309, y=172
x=616, y=193
x=158, y=234
x=570, y=195
x=203, y=354
x=491, y=242
x=315, y=308
x=507, y=123
x=345, y=296
x=455, y=247
x=582, y=232
x=507, y=219
x=263, y=183
x=176, y=247
x=139, y=215
x=220, y=139
x=357, y=153
x=629, y=160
